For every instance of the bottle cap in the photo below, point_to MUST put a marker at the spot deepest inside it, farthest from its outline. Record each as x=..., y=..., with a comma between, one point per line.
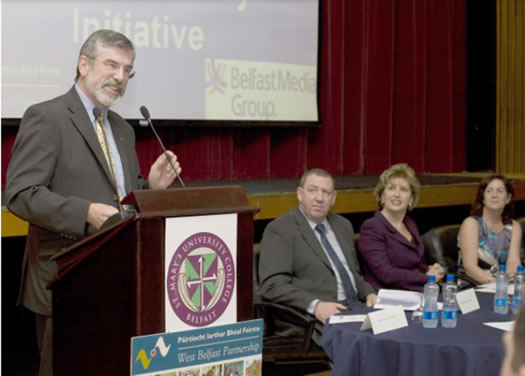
x=520, y=268
x=432, y=278
x=502, y=268
x=450, y=277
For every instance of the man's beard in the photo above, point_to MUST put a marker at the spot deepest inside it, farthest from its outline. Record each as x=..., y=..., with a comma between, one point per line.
x=97, y=91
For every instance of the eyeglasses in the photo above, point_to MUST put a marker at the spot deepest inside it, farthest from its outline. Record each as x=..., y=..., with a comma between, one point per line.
x=112, y=67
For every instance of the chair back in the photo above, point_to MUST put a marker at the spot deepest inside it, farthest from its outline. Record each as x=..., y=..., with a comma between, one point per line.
x=288, y=348
x=441, y=245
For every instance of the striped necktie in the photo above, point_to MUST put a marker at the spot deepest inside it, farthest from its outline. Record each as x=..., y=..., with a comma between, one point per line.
x=101, y=135
x=349, y=290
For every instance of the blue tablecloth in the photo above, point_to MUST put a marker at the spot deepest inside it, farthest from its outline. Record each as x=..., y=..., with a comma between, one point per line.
x=470, y=349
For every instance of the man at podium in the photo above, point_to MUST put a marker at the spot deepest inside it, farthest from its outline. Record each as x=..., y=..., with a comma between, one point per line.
x=73, y=161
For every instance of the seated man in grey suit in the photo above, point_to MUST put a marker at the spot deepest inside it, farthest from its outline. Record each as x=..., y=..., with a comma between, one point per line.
x=308, y=259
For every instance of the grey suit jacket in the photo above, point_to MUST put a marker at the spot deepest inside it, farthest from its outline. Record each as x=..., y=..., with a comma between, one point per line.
x=294, y=269
x=57, y=169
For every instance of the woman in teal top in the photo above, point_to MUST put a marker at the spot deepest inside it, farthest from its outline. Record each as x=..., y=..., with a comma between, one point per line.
x=490, y=237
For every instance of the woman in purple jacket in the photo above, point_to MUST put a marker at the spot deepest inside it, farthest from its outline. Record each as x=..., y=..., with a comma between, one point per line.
x=389, y=242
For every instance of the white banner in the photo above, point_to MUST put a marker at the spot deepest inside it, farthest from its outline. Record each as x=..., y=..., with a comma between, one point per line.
x=200, y=271
x=251, y=90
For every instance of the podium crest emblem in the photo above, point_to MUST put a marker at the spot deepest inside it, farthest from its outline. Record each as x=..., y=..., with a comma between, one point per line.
x=201, y=279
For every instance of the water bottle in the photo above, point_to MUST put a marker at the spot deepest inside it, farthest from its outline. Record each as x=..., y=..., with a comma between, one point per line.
x=430, y=308
x=449, y=314
x=518, y=289
x=501, y=298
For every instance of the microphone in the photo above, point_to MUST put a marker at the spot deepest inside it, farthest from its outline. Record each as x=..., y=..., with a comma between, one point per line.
x=121, y=214
x=144, y=111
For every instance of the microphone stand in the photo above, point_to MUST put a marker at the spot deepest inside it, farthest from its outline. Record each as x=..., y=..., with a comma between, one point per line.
x=144, y=111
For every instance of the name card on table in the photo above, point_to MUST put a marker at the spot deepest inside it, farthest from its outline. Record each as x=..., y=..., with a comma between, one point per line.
x=467, y=301
x=385, y=320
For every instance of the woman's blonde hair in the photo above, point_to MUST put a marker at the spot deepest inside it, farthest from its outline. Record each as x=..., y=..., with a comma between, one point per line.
x=400, y=170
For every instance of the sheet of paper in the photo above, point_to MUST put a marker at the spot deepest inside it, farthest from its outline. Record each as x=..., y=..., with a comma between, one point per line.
x=487, y=287
x=385, y=320
x=409, y=300
x=467, y=301
x=506, y=325
x=491, y=288
x=340, y=319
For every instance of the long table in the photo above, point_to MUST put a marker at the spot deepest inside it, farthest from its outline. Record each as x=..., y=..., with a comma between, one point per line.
x=470, y=349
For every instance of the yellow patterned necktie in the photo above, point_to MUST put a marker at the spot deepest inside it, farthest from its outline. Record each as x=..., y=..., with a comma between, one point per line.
x=101, y=135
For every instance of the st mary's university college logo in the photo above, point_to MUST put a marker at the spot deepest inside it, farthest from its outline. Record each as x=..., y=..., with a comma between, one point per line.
x=201, y=279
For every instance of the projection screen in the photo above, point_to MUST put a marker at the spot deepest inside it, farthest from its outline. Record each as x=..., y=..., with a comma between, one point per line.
x=234, y=60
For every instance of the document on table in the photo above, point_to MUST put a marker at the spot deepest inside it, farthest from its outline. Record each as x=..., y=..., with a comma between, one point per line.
x=505, y=325
x=341, y=319
x=409, y=300
x=491, y=288
x=487, y=287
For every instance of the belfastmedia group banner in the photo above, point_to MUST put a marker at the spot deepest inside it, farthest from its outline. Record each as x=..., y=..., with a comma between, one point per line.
x=234, y=349
x=200, y=271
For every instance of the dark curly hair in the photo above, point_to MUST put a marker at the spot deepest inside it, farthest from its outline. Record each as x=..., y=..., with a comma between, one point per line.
x=508, y=210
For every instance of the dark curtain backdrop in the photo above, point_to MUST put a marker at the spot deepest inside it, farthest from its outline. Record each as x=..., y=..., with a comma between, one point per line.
x=392, y=89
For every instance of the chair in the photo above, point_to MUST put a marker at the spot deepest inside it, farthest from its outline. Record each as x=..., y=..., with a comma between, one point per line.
x=288, y=348
x=441, y=246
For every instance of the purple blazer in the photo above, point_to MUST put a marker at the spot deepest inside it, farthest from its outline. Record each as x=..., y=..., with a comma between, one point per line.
x=390, y=260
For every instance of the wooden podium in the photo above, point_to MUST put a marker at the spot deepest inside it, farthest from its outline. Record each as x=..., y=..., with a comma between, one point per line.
x=110, y=286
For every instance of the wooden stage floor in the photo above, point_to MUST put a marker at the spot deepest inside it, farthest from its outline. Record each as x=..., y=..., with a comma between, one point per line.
x=354, y=195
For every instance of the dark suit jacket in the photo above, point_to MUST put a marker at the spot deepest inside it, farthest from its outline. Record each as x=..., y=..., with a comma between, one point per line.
x=294, y=269
x=58, y=169
x=391, y=261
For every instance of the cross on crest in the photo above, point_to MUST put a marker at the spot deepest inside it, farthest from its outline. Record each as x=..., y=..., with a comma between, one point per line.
x=201, y=278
